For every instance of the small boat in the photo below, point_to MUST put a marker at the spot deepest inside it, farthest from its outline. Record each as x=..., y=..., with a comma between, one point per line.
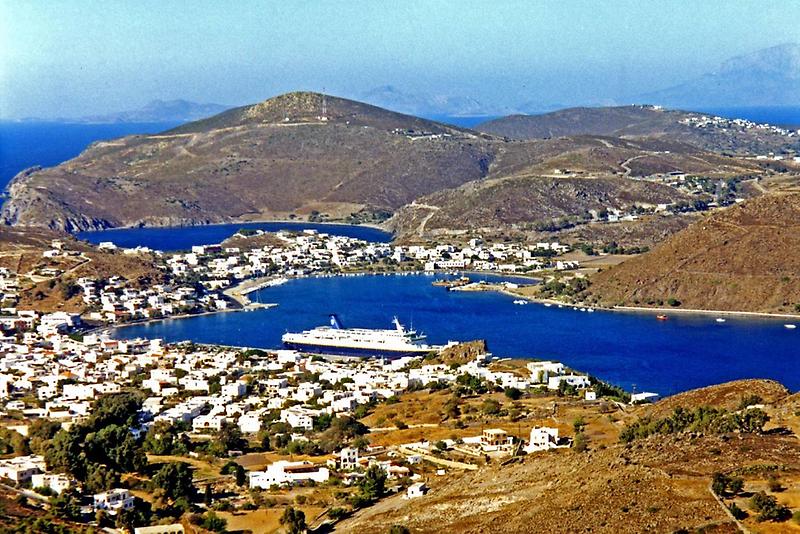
x=590, y=310
x=662, y=317
x=720, y=320
x=520, y=302
x=560, y=305
x=790, y=326
x=547, y=304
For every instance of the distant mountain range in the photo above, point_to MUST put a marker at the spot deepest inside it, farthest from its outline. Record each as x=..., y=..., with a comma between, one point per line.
x=154, y=111
x=429, y=105
x=768, y=77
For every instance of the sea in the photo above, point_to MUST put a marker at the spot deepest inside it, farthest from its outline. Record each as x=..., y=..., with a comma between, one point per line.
x=632, y=350
x=172, y=239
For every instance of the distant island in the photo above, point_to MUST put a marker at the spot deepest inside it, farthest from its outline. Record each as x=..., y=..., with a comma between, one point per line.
x=154, y=111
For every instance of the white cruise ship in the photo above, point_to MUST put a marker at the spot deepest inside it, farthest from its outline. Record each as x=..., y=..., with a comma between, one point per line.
x=340, y=341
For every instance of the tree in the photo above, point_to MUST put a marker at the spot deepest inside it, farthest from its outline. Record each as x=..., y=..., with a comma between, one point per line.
x=490, y=407
x=336, y=513
x=174, y=479
x=293, y=520
x=227, y=439
x=66, y=505
x=753, y=420
x=735, y=485
x=579, y=424
x=373, y=485
x=719, y=483
x=768, y=508
x=399, y=529
x=213, y=522
x=512, y=393
x=580, y=443
x=233, y=468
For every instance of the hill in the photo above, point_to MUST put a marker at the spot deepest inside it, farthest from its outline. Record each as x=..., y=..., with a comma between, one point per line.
x=262, y=161
x=768, y=77
x=540, y=182
x=21, y=251
x=697, y=129
x=659, y=483
x=746, y=258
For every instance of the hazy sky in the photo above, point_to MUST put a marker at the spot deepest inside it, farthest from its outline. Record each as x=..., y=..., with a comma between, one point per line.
x=69, y=58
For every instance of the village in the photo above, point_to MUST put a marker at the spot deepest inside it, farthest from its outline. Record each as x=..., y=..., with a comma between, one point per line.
x=288, y=421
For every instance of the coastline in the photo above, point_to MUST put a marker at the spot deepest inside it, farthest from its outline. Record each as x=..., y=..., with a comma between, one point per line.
x=645, y=310
x=141, y=322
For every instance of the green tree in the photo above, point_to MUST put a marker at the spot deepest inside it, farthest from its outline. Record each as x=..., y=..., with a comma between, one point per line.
x=768, y=508
x=512, y=393
x=233, y=468
x=399, y=529
x=580, y=443
x=66, y=505
x=215, y=523
x=174, y=479
x=293, y=520
x=373, y=485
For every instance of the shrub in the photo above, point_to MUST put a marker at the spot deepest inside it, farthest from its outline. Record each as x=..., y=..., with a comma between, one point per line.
x=768, y=508
x=580, y=443
x=737, y=512
x=336, y=513
x=213, y=522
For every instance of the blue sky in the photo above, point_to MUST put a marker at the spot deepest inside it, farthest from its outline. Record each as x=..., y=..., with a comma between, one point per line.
x=69, y=58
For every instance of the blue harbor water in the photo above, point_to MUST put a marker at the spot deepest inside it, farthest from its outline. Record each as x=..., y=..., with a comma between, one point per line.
x=173, y=238
x=623, y=348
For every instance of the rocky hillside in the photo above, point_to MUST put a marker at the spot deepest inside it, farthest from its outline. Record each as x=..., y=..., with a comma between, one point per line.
x=21, y=252
x=270, y=159
x=658, y=483
x=524, y=200
x=535, y=183
x=304, y=153
x=643, y=121
x=744, y=258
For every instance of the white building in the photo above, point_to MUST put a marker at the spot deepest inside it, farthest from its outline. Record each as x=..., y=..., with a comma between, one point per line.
x=348, y=458
x=542, y=439
x=114, y=500
x=57, y=482
x=578, y=381
x=285, y=472
x=418, y=489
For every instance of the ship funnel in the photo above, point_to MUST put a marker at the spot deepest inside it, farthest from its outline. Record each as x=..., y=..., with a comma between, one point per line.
x=335, y=322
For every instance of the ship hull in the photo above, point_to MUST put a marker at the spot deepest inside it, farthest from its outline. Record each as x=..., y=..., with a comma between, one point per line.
x=312, y=348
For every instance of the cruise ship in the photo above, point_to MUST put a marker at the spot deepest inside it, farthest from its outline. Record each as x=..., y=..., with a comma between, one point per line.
x=339, y=341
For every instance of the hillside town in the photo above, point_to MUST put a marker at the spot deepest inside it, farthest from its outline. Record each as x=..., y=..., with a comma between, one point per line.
x=209, y=404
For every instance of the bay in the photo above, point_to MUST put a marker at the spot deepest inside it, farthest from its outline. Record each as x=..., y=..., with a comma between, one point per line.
x=632, y=350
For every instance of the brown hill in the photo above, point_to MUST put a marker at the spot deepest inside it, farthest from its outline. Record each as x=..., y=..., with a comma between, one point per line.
x=746, y=258
x=277, y=157
x=301, y=153
x=656, y=484
x=640, y=121
x=503, y=202
x=537, y=182
x=21, y=252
